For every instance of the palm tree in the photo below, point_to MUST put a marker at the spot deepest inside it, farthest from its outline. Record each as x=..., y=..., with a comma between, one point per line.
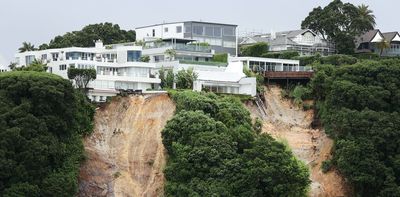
x=26, y=46
x=12, y=65
x=366, y=19
x=382, y=45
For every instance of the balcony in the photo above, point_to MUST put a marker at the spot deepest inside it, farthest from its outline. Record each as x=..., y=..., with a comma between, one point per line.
x=179, y=47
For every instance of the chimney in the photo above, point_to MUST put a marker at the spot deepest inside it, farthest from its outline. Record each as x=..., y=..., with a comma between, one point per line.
x=99, y=44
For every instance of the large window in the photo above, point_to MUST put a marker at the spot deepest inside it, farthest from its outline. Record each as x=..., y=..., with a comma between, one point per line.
x=217, y=31
x=54, y=56
x=188, y=29
x=73, y=55
x=209, y=31
x=178, y=29
x=29, y=59
x=62, y=67
x=229, y=31
x=198, y=30
x=133, y=56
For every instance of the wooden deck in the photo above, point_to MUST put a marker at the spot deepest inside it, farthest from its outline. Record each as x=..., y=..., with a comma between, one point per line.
x=288, y=75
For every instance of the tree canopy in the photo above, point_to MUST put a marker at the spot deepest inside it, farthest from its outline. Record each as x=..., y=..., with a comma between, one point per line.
x=81, y=76
x=107, y=32
x=214, y=151
x=42, y=119
x=254, y=50
x=340, y=22
x=359, y=106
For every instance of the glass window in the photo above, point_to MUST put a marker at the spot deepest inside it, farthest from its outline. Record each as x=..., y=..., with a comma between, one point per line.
x=54, y=56
x=166, y=29
x=188, y=29
x=209, y=31
x=62, y=67
x=198, y=30
x=217, y=31
x=29, y=59
x=178, y=29
x=133, y=56
x=229, y=31
x=44, y=57
x=154, y=32
x=73, y=55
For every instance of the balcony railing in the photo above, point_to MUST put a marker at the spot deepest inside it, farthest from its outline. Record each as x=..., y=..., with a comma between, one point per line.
x=219, y=64
x=180, y=47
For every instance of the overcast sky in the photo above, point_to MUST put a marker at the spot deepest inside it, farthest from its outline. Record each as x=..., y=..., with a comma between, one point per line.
x=38, y=21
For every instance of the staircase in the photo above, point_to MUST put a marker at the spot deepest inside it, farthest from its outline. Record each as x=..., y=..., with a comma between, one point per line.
x=261, y=107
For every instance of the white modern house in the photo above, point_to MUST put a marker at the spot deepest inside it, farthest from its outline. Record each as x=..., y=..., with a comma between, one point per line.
x=117, y=66
x=230, y=80
x=221, y=37
x=269, y=64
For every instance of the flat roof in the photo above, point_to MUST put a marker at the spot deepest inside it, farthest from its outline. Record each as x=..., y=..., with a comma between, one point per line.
x=211, y=23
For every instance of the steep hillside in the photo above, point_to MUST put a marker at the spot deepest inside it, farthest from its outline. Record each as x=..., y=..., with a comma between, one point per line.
x=291, y=125
x=125, y=154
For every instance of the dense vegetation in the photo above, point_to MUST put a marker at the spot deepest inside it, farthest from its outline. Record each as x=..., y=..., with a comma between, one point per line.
x=340, y=22
x=42, y=119
x=107, y=32
x=359, y=107
x=221, y=57
x=254, y=50
x=184, y=78
x=214, y=151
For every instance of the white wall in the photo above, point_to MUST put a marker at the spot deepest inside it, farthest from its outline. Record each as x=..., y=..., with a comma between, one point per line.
x=147, y=32
x=248, y=86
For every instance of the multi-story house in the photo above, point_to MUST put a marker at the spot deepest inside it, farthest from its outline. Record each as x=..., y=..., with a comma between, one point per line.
x=304, y=41
x=221, y=37
x=369, y=42
x=118, y=67
x=183, y=50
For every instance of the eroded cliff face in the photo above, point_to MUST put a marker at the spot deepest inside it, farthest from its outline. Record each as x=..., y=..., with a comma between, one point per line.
x=291, y=125
x=125, y=154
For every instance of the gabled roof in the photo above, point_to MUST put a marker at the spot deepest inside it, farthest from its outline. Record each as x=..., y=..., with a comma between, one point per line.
x=281, y=41
x=368, y=36
x=254, y=39
x=389, y=36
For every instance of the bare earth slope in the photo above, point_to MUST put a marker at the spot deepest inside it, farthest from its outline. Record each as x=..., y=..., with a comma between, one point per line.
x=125, y=154
x=291, y=125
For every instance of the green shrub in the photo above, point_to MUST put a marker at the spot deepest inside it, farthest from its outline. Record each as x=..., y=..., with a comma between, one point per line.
x=359, y=107
x=255, y=50
x=339, y=60
x=326, y=166
x=222, y=57
x=214, y=149
x=42, y=121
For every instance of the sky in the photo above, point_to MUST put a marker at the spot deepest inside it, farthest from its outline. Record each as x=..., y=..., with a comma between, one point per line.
x=38, y=21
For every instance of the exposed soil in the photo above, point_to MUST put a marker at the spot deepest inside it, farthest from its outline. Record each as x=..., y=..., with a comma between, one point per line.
x=291, y=125
x=125, y=154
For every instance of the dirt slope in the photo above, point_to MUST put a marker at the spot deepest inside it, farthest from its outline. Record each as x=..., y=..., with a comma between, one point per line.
x=125, y=154
x=291, y=125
